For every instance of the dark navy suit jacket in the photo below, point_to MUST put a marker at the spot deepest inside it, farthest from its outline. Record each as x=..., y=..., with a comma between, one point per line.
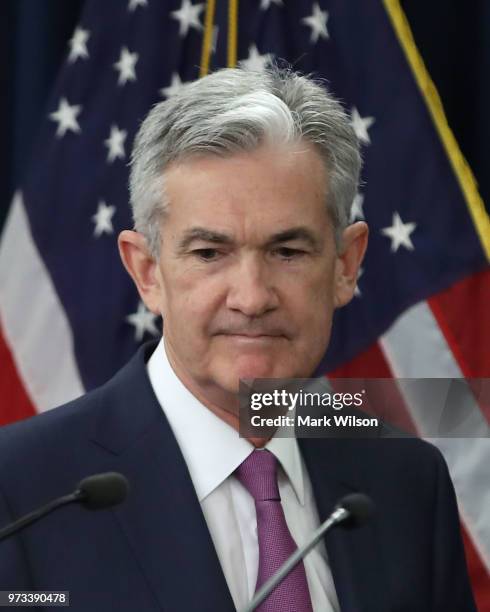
x=154, y=552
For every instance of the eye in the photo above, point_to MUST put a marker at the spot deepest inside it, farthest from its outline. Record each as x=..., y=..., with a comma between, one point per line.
x=288, y=253
x=206, y=254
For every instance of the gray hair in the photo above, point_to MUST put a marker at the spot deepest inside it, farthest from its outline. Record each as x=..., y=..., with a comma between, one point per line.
x=234, y=110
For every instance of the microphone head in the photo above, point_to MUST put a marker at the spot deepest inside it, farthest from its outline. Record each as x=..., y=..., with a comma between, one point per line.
x=360, y=508
x=103, y=490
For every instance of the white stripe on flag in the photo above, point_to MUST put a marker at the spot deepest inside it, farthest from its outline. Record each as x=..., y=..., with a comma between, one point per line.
x=416, y=348
x=34, y=322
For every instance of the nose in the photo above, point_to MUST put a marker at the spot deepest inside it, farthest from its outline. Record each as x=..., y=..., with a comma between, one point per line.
x=251, y=290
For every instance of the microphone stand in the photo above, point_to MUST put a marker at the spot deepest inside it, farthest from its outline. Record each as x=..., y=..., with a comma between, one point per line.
x=337, y=516
x=35, y=515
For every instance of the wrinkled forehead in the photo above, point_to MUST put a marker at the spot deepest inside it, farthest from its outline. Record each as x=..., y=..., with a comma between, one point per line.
x=250, y=194
x=291, y=167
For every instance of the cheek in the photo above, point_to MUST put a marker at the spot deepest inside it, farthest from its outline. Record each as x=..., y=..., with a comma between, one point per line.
x=191, y=308
x=313, y=308
x=313, y=296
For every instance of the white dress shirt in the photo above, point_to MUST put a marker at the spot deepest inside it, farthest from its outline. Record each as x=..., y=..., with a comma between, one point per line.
x=228, y=507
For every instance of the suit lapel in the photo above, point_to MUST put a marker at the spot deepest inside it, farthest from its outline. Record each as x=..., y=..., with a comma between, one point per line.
x=162, y=518
x=353, y=554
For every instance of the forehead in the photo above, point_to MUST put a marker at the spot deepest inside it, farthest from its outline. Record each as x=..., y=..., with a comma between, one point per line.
x=259, y=186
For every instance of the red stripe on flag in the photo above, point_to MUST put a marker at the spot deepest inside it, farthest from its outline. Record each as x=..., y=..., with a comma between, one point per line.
x=383, y=399
x=478, y=574
x=371, y=363
x=462, y=314
x=14, y=401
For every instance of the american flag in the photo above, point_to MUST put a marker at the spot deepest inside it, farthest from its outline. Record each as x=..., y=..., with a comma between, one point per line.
x=69, y=314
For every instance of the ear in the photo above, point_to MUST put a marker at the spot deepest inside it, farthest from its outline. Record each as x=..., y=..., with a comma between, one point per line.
x=142, y=268
x=353, y=247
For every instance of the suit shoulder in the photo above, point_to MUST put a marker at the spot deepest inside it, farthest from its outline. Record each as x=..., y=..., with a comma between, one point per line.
x=416, y=466
x=411, y=448
x=78, y=411
x=63, y=433
x=54, y=426
x=417, y=455
x=407, y=460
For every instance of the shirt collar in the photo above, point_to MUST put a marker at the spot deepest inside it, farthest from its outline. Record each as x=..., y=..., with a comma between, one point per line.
x=211, y=458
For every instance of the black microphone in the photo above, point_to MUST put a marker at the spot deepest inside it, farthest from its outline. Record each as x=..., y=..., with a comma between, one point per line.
x=351, y=511
x=94, y=493
x=360, y=509
x=102, y=490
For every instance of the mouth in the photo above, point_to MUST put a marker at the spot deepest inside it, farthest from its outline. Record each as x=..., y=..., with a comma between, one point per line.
x=253, y=337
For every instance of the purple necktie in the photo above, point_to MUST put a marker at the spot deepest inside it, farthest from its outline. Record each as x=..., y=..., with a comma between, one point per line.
x=258, y=474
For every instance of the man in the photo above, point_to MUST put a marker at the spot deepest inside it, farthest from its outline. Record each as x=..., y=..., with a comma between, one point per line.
x=241, y=188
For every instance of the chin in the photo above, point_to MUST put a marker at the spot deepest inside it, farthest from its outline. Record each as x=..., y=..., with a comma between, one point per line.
x=252, y=371
x=257, y=366
x=228, y=377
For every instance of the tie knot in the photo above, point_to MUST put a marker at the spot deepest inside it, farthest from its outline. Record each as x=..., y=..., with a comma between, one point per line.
x=258, y=474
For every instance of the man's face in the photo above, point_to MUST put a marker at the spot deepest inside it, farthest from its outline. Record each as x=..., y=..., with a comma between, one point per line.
x=248, y=275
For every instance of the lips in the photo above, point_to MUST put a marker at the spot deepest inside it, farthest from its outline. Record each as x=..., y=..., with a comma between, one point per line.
x=253, y=338
x=253, y=335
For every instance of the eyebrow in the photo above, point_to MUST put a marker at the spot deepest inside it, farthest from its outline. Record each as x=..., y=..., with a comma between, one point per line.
x=295, y=233
x=207, y=235
x=201, y=233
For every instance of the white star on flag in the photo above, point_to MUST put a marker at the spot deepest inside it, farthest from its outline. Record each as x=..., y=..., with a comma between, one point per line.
x=188, y=16
x=357, y=212
x=133, y=4
x=175, y=86
x=143, y=321
x=103, y=219
x=317, y=21
x=78, y=45
x=66, y=117
x=255, y=61
x=357, y=291
x=399, y=233
x=361, y=125
x=126, y=66
x=265, y=4
x=115, y=144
